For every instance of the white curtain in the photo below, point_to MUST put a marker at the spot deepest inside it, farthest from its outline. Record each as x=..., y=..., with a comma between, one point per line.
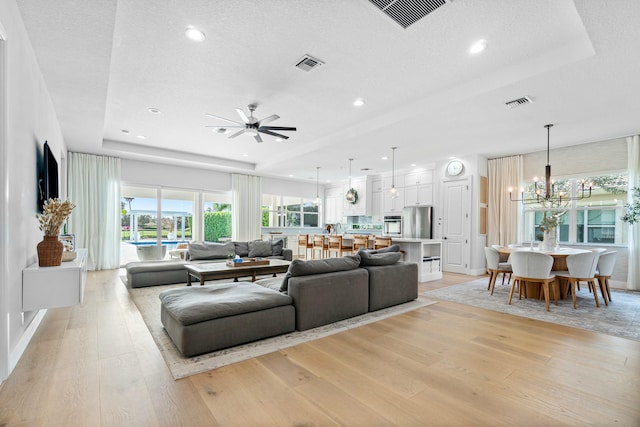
x=246, y=219
x=502, y=213
x=94, y=187
x=633, y=276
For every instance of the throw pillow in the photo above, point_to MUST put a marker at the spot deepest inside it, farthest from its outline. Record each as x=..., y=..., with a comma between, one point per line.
x=242, y=248
x=210, y=250
x=260, y=248
x=385, y=258
x=276, y=247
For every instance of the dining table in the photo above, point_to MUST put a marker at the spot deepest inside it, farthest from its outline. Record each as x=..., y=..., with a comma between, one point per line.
x=559, y=255
x=559, y=262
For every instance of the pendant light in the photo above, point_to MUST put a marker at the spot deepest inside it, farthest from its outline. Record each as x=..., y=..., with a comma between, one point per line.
x=350, y=193
x=547, y=194
x=393, y=190
x=317, y=184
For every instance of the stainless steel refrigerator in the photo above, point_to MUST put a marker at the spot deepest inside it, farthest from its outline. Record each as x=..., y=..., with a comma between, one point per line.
x=417, y=222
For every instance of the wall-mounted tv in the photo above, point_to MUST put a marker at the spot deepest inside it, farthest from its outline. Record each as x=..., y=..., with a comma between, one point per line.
x=47, y=177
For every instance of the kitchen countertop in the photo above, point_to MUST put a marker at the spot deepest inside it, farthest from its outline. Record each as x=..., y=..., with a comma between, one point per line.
x=403, y=240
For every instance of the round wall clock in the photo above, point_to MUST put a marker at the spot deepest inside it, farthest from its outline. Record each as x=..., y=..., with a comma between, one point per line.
x=455, y=168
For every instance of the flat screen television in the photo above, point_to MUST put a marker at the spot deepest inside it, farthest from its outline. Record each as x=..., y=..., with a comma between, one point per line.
x=48, y=177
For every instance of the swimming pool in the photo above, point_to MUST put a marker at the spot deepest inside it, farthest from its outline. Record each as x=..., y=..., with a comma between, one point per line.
x=153, y=242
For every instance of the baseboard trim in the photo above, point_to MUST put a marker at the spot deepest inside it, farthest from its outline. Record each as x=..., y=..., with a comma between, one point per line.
x=17, y=352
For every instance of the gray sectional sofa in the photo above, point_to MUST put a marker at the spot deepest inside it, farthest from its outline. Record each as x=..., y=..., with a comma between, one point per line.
x=153, y=273
x=319, y=292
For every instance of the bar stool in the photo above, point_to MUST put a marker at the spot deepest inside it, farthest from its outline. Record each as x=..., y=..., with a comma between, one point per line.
x=318, y=245
x=359, y=242
x=381, y=242
x=304, y=244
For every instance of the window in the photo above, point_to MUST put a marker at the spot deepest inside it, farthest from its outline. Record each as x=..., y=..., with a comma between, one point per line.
x=593, y=220
x=217, y=217
x=284, y=211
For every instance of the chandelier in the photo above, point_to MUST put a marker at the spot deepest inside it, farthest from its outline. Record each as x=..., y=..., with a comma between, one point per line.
x=547, y=194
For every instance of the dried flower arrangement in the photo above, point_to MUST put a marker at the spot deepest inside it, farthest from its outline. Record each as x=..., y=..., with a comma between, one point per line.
x=54, y=214
x=551, y=221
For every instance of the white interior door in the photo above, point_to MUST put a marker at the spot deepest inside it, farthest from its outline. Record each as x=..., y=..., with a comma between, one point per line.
x=455, y=225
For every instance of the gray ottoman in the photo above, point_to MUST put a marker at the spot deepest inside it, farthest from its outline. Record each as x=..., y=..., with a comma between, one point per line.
x=153, y=273
x=212, y=317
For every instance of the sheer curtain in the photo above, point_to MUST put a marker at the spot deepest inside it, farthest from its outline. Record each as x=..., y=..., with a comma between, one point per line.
x=633, y=277
x=94, y=187
x=246, y=219
x=502, y=213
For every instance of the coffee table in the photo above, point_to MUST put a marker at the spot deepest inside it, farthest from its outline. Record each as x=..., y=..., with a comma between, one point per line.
x=219, y=270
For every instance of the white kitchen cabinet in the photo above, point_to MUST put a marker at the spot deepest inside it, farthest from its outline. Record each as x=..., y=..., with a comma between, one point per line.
x=333, y=205
x=418, y=195
x=391, y=204
x=61, y=286
x=376, y=207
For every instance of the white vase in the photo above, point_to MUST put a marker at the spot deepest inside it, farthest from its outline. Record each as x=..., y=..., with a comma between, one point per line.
x=550, y=241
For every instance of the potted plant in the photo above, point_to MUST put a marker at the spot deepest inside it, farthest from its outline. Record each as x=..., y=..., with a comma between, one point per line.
x=55, y=212
x=549, y=226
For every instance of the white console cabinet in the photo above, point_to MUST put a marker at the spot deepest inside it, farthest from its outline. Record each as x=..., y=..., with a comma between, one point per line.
x=49, y=287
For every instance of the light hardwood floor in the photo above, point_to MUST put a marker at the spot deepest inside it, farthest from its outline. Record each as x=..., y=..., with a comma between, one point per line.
x=442, y=365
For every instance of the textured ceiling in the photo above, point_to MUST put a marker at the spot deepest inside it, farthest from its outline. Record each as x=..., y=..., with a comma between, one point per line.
x=105, y=63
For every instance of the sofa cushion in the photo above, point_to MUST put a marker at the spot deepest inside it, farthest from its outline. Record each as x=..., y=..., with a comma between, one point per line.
x=260, y=248
x=276, y=247
x=242, y=248
x=210, y=250
x=377, y=258
x=300, y=267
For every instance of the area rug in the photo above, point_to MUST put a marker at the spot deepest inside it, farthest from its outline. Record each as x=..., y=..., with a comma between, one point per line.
x=621, y=318
x=146, y=299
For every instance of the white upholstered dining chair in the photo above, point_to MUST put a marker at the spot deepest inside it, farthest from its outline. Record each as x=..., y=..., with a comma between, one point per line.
x=532, y=267
x=582, y=268
x=495, y=267
x=606, y=262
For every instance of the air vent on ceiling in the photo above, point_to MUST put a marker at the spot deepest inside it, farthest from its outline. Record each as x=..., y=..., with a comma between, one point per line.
x=518, y=102
x=308, y=63
x=407, y=12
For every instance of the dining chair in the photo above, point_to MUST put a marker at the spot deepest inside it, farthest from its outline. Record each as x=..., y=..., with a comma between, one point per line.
x=319, y=245
x=495, y=267
x=582, y=268
x=606, y=262
x=304, y=244
x=532, y=267
x=381, y=242
x=359, y=242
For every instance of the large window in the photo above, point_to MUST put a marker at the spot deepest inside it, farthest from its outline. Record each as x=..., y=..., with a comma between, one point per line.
x=217, y=217
x=593, y=220
x=283, y=211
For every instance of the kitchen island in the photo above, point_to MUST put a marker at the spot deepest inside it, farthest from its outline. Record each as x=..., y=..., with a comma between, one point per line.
x=427, y=253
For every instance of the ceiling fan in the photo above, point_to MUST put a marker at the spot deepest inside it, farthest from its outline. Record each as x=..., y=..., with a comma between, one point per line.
x=251, y=126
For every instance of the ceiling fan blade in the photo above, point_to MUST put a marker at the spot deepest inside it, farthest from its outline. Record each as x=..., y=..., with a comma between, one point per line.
x=240, y=132
x=225, y=127
x=268, y=119
x=277, y=128
x=268, y=132
x=257, y=137
x=222, y=118
x=243, y=116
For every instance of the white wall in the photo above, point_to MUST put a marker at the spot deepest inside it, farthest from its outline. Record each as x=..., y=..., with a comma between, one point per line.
x=31, y=119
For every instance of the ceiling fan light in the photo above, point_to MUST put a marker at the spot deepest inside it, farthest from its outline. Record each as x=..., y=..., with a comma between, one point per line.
x=252, y=131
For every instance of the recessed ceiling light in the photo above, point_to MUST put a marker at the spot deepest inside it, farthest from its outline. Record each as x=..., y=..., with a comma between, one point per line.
x=452, y=157
x=126, y=132
x=358, y=102
x=478, y=47
x=412, y=165
x=279, y=139
x=194, y=34
x=245, y=155
x=384, y=158
x=154, y=111
x=141, y=136
x=291, y=175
